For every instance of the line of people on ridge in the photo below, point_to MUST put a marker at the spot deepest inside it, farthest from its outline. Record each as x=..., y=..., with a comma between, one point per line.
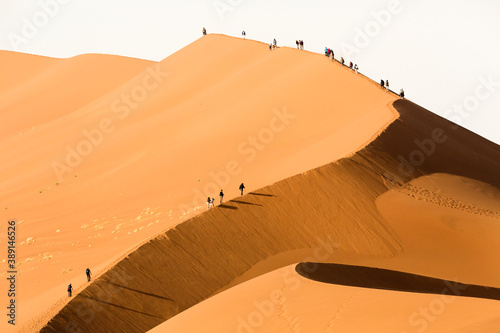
x=329, y=53
x=385, y=85
x=211, y=201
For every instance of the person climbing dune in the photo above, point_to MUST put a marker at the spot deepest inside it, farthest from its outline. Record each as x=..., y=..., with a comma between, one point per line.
x=88, y=273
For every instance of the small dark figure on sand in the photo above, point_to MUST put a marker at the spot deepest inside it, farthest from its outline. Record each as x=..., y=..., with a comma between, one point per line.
x=70, y=290
x=89, y=273
x=242, y=187
x=221, y=195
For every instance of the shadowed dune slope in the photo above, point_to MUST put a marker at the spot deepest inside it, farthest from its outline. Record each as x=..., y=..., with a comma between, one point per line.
x=425, y=143
x=332, y=206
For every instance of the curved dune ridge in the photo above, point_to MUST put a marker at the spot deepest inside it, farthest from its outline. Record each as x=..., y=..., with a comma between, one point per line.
x=335, y=213
x=105, y=152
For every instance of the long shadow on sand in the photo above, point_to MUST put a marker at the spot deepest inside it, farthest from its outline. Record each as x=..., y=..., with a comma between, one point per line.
x=122, y=307
x=227, y=206
x=262, y=194
x=375, y=278
x=246, y=203
x=140, y=292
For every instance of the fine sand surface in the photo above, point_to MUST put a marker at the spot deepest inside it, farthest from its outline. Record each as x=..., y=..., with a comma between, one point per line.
x=36, y=90
x=101, y=153
x=371, y=209
x=283, y=301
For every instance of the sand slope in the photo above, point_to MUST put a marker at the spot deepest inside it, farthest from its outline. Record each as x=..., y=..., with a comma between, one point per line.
x=35, y=90
x=283, y=301
x=334, y=213
x=120, y=149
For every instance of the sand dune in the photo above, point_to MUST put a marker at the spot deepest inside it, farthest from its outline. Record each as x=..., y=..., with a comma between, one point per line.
x=331, y=212
x=140, y=152
x=35, y=90
x=338, y=170
x=282, y=301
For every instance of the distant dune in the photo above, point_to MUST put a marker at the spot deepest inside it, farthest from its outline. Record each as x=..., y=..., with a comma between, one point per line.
x=337, y=170
x=36, y=90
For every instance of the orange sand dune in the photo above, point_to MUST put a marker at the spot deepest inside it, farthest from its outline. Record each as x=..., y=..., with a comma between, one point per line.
x=283, y=301
x=372, y=209
x=35, y=90
x=118, y=152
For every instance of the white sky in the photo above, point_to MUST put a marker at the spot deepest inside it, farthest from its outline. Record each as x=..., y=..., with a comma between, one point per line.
x=439, y=51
